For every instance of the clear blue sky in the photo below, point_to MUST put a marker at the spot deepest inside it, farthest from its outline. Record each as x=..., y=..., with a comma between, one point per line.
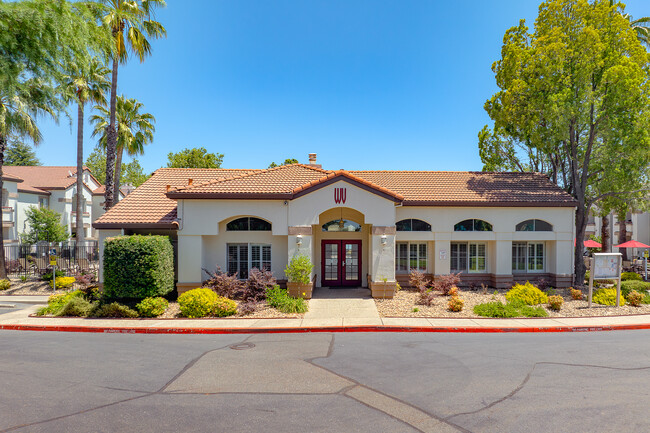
x=367, y=84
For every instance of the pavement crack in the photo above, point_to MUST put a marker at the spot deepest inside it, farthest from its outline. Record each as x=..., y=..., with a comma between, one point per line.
x=530, y=373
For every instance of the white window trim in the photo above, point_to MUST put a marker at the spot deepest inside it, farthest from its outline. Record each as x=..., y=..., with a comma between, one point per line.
x=528, y=270
x=408, y=256
x=250, y=246
x=468, y=270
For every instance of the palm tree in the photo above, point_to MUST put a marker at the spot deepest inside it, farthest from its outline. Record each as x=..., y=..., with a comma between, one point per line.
x=131, y=22
x=19, y=107
x=135, y=129
x=641, y=27
x=83, y=84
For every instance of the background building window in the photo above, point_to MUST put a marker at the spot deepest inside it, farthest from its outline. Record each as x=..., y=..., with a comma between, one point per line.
x=527, y=256
x=473, y=225
x=413, y=225
x=248, y=224
x=468, y=257
x=243, y=257
x=44, y=202
x=411, y=256
x=534, y=226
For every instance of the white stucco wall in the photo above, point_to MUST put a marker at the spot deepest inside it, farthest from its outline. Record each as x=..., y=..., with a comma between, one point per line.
x=25, y=200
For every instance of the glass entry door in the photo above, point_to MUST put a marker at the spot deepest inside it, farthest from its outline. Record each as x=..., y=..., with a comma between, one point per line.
x=340, y=263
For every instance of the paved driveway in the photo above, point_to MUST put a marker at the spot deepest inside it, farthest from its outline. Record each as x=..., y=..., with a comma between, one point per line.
x=406, y=382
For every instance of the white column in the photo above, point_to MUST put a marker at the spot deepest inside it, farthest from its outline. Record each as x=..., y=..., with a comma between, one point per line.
x=300, y=242
x=383, y=257
x=190, y=261
x=442, y=254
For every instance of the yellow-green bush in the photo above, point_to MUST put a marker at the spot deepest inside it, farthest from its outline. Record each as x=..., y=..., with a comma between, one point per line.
x=204, y=302
x=555, y=302
x=152, y=307
x=63, y=282
x=4, y=284
x=631, y=276
x=527, y=293
x=606, y=297
x=56, y=302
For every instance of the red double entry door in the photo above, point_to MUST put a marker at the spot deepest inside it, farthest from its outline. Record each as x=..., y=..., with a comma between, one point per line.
x=340, y=263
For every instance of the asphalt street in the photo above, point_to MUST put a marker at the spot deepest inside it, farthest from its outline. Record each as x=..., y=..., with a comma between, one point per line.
x=347, y=382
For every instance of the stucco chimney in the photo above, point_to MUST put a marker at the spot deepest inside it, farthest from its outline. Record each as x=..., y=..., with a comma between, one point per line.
x=312, y=158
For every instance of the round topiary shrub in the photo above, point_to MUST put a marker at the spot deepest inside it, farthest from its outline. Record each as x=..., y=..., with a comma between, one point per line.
x=197, y=302
x=555, y=302
x=576, y=294
x=527, y=293
x=152, y=307
x=224, y=307
x=606, y=297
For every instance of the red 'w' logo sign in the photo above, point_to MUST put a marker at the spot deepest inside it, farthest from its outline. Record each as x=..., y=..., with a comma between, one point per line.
x=339, y=195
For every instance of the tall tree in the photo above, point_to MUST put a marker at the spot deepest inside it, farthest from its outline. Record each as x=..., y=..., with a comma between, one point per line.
x=135, y=129
x=286, y=162
x=131, y=23
x=85, y=82
x=35, y=38
x=197, y=157
x=19, y=153
x=132, y=172
x=574, y=98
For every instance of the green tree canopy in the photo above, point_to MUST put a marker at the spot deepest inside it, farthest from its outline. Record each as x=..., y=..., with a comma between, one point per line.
x=197, y=157
x=20, y=153
x=574, y=102
x=286, y=162
x=44, y=225
x=132, y=172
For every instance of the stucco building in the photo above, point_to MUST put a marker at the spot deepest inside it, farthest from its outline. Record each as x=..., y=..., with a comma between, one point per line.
x=358, y=227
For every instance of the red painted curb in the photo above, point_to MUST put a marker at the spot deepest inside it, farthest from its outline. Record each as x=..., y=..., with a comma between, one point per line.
x=475, y=330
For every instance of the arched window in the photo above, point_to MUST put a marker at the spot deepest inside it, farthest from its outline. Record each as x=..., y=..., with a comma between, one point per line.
x=248, y=224
x=413, y=225
x=473, y=225
x=534, y=226
x=341, y=225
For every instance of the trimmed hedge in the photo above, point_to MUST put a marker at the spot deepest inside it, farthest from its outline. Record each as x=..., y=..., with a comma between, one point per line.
x=138, y=267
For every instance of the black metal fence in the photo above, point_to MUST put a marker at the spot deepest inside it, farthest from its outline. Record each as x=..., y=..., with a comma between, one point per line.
x=24, y=260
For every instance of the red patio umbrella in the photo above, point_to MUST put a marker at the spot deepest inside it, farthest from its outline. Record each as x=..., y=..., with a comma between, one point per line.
x=632, y=244
x=589, y=244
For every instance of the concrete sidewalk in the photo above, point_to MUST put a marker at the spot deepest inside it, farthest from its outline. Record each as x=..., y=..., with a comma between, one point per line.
x=20, y=320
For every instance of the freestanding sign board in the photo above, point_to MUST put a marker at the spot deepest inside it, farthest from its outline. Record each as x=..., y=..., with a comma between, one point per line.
x=606, y=266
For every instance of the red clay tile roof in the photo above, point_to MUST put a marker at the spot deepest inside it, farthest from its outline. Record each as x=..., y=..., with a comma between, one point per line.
x=152, y=205
x=41, y=179
x=148, y=206
x=11, y=178
x=470, y=188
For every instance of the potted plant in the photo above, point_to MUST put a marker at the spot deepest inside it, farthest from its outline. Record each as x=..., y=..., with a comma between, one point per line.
x=383, y=289
x=298, y=273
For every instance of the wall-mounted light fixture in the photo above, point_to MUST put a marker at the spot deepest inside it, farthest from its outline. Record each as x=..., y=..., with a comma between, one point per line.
x=383, y=240
x=299, y=240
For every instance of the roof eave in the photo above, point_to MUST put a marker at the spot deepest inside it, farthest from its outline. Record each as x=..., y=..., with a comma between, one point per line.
x=228, y=195
x=118, y=225
x=469, y=203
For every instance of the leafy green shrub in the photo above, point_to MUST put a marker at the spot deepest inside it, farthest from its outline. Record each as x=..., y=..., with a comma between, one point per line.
x=138, y=267
x=607, y=296
x=495, y=309
x=63, y=282
x=576, y=294
x=48, y=276
x=224, y=307
x=299, y=269
x=76, y=307
x=114, y=309
x=631, y=276
x=152, y=307
x=634, y=298
x=511, y=309
x=527, y=293
x=56, y=302
x=455, y=304
x=555, y=302
x=279, y=299
x=640, y=286
x=4, y=284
